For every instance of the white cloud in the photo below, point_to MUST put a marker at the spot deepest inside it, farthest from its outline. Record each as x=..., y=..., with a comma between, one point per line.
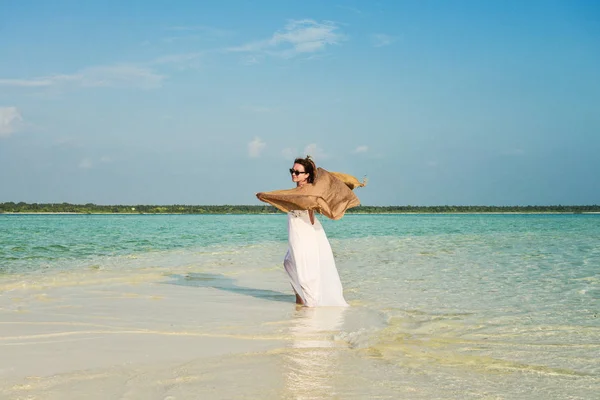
x=106, y=159
x=10, y=121
x=381, y=39
x=255, y=147
x=361, y=149
x=315, y=152
x=86, y=163
x=298, y=37
x=35, y=82
x=121, y=75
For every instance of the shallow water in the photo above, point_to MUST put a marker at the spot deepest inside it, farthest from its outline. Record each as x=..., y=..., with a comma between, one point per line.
x=443, y=306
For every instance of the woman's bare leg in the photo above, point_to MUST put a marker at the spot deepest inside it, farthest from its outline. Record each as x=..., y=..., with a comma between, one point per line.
x=298, y=298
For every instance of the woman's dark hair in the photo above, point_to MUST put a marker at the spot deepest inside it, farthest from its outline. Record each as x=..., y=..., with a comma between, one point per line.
x=309, y=166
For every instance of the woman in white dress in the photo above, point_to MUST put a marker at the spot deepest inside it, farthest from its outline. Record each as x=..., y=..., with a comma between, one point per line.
x=309, y=261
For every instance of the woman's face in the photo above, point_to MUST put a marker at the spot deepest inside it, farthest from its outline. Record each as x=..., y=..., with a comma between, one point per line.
x=302, y=177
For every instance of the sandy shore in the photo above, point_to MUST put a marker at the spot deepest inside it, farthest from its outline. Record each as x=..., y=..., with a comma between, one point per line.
x=97, y=334
x=155, y=335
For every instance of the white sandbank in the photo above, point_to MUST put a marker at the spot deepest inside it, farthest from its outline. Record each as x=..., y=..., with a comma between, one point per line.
x=156, y=335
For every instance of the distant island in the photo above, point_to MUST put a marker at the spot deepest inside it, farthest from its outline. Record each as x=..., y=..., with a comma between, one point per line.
x=90, y=208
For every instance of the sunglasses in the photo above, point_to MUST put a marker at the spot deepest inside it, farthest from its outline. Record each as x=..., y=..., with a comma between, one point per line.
x=295, y=172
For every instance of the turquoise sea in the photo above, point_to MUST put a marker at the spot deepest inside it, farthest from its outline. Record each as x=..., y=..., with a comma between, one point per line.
x=442, y=306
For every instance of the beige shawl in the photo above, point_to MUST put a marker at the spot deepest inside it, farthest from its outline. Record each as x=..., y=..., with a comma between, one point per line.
x=330, y=194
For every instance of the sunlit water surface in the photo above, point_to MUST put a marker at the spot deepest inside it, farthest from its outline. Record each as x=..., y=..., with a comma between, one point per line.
x=442, y=306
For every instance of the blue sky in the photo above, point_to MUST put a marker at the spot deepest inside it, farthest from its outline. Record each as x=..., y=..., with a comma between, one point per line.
x=186, y=102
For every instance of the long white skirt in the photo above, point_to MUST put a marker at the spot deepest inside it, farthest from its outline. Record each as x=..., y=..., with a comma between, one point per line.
x=309, y=263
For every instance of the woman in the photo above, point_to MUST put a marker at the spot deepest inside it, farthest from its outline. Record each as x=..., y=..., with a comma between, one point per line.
x=309, y=260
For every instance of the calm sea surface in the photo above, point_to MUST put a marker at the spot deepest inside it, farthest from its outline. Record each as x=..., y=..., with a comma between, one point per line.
x=465, y=306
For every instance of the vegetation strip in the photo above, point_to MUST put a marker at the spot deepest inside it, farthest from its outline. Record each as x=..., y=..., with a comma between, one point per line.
x=90, y=208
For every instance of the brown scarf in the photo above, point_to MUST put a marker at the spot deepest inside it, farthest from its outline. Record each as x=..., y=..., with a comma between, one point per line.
x=330, y=194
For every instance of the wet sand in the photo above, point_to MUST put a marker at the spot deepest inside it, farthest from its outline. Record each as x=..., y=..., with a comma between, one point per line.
x=156, y=335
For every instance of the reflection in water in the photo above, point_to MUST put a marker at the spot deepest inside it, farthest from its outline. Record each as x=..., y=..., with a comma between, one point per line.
x=311, y=364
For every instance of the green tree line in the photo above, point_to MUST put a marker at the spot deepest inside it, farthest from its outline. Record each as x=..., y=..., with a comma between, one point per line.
x=89, y=208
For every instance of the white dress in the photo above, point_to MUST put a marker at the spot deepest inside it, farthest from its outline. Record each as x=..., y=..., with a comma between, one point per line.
x=309, y=263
